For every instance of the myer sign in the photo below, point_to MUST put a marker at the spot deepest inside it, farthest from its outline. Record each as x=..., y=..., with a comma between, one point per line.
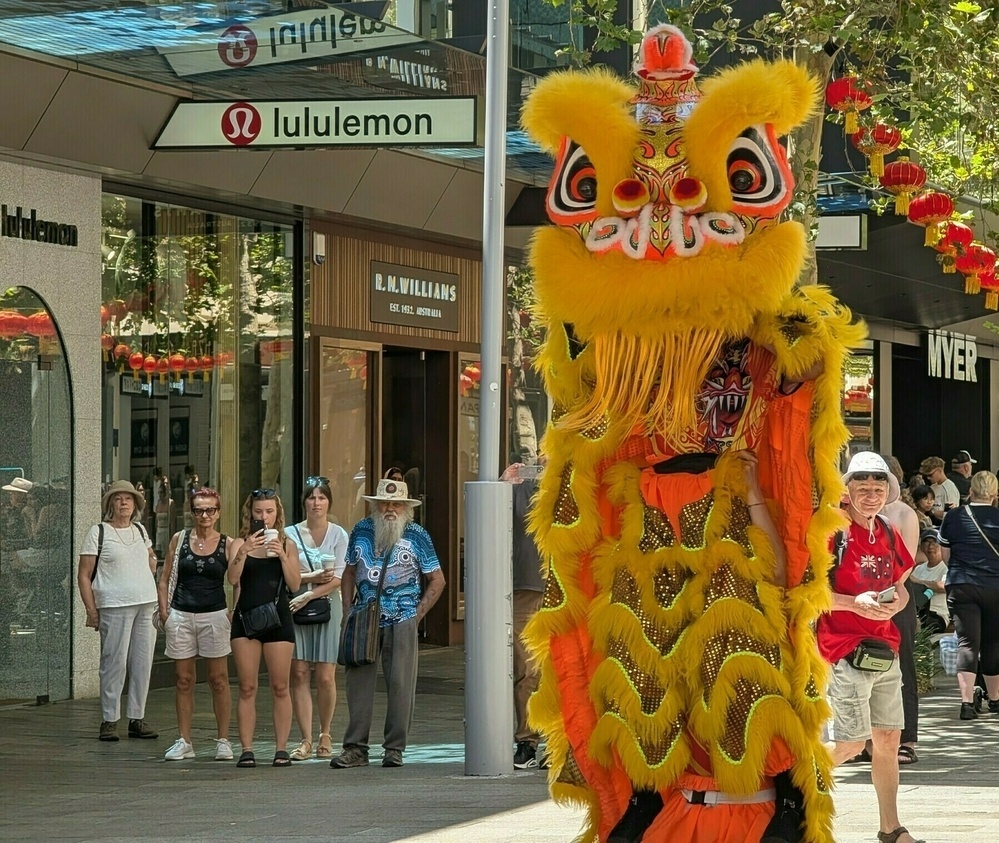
x=951, y=356
x=417, y=298
x=311, y=123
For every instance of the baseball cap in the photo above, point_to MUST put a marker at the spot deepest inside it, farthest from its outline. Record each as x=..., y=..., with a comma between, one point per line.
x=962, y=457
x=929, y=533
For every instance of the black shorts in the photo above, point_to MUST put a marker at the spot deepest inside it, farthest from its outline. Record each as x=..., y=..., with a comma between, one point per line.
x=285, y=632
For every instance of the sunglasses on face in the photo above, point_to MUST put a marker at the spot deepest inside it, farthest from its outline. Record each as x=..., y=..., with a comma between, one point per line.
x=258, y=494
x=204, y=510
x=870, y=475
x=316, y=480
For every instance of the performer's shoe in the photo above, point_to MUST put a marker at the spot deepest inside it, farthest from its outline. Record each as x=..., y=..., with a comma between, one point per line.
x=785, y=827
x=643, y=807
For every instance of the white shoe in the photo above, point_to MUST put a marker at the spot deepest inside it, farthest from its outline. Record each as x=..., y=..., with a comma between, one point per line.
x=180, y=751
x=223, y=749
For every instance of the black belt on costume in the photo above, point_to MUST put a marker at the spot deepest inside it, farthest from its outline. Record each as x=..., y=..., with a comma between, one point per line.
x=686, y=464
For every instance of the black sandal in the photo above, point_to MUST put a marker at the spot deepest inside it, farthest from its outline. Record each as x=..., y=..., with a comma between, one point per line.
x=892, y=836
x=281, y=759
x=247, y=759
x=907, y=755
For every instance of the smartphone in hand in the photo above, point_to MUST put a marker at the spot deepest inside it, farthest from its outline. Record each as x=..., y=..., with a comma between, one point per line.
x=530, y=472
x=256, y=525
x=887, y=596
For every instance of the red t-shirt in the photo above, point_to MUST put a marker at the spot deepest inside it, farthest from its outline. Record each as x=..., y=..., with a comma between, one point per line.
x=866, y=566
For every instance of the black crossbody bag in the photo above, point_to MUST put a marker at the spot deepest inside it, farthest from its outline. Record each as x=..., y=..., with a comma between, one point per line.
x=317, y=610
x=262, y=619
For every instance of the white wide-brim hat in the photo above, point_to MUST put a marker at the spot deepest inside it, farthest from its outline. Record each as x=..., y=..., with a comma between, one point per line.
x=867, y=461
x=392, y=490
x=19, y=484
x=123, y=486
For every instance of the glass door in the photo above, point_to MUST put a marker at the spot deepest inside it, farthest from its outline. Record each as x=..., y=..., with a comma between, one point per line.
x=404, y=421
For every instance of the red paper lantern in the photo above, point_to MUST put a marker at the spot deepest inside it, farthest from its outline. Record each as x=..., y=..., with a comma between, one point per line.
x=40, y=325
x=117, y=309
x=473, y=372
x=107, y=342
x=122, y=351
x=136, y=362
x=191, y=365
x=876, y=143
x=990, y=284
x=973, y=262
x=12, y=324
x=207, y=363
x=149, y=367
x=954, y=237
x=163, y=368
x=928, y=209
x=903, y=178
x=847, y=97
x=105, y=316
x=176, y=363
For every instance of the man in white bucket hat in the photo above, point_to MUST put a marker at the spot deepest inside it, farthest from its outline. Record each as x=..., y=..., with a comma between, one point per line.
x=387, y=548
x=858, y=638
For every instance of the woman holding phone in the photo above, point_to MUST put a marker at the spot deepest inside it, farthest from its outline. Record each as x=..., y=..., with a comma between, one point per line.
x=265, y=568
x=322, y=555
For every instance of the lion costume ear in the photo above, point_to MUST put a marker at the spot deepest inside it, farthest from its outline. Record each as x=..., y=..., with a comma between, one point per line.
x=777, y=96
x=572, y=110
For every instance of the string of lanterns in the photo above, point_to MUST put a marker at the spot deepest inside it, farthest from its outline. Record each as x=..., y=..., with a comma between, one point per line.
x=958, y=251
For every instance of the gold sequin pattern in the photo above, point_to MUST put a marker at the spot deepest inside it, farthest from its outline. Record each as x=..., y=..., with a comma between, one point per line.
x=726, y=583
x=554, y=595
x=790, y=330
x=737, y=722
x=725, y=644
x=655, y=752
x=566, y=508
x=650, y=692
x=694, y=520
x=812, y=689
x=558, y=411
x=668, y=585
x=808, y=575
x=737, y=529
x=657, y=532
x=820, y=781
x=597, y=431
x=570, y=772
x=625, y=592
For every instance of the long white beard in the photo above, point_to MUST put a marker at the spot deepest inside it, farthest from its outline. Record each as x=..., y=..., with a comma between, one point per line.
x=389, y=531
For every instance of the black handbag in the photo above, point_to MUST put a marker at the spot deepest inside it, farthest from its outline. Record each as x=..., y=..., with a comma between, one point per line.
x=359, y=635
x=873, y=655
x=315, y=611
x=262, y=619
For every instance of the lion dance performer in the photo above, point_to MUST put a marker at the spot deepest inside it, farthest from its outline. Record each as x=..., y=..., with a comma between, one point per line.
x=691, y=487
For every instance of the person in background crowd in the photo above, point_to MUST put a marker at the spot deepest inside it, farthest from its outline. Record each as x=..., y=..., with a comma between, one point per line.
x=162, y=507
x=902, y=515
x=393, y=473
x=867, y=704
x=196, y=621
x=930, y=575
x=388, y=547
x=322, y=555
x=118, y=589
x=265, y=569
x=945, y=492
x=924, y=499
x=969, y=538
x=528, y=589
x=960, y=473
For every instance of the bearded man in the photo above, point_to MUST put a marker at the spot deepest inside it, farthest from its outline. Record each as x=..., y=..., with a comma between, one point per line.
x=387, y=548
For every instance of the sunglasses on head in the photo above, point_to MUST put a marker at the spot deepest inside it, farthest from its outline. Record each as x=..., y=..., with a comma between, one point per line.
x=204, y=510
x=257, y=494
x=870, y=475
x=316, y=480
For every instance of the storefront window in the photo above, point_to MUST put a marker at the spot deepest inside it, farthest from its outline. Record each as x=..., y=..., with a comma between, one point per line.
x=858, y=400
x=197, y=344
x=36, y=523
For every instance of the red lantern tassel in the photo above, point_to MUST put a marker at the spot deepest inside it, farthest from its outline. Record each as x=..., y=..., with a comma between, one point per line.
x=877, y=164
x=992, y=300
x=850, y=125
x=972, y=286
x=902, y=205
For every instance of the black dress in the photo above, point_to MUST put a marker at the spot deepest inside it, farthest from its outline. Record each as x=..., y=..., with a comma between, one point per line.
x=258, y=584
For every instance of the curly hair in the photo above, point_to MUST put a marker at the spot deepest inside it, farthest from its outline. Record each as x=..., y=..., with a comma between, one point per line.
x=244, y=526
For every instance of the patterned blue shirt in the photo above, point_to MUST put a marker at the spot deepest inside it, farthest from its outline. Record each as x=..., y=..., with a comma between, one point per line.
x=413, y=555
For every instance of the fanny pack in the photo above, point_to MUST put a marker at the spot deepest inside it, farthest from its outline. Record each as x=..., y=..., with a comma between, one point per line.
x=872, y=655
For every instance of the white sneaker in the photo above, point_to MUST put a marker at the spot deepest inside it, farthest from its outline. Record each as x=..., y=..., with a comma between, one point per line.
x=180, y=751
x=223, y=749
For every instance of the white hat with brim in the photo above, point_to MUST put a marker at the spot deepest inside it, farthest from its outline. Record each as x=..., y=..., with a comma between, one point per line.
x=392, y=490
x=19, y=484
x=120, y=486
x=866, y=462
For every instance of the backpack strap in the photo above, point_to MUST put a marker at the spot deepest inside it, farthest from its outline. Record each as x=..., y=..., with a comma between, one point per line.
x=890, y=530
x=100, y=547
x=839, y=548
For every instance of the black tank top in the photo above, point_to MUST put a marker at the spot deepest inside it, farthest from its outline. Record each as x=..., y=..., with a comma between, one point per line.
x=258, y=583
x=200, y=579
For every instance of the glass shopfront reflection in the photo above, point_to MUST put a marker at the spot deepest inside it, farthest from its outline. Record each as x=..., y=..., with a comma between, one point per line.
x=36, y=568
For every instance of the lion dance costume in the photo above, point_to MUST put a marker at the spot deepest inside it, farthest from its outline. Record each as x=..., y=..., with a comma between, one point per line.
x=671, y=664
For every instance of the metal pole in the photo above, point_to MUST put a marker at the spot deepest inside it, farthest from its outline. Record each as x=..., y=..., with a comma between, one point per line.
x=489, y=502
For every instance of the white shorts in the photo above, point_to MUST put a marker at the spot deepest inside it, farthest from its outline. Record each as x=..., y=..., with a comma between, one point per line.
x=190, y=634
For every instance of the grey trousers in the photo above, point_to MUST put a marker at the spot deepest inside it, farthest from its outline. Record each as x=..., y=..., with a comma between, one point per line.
x=525, y=674
x=400, y=655
x=128, y=641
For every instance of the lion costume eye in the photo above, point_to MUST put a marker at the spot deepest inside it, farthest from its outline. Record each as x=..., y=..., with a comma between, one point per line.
x=572, y=194
x=757, y=171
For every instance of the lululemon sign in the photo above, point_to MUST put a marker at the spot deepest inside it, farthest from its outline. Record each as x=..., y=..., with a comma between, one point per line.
x=237, y=46
x=408, y=121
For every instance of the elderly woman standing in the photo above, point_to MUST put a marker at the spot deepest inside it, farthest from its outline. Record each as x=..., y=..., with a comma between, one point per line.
x=322, y=555
x=969, y=538
x=118, y=589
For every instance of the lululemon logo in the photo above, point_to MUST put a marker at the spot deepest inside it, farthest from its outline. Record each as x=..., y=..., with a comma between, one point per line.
x=241, y=124
x=237, y=46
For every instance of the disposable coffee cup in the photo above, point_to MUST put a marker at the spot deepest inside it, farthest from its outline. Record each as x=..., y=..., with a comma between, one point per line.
x=271, y=536
x=329, y=562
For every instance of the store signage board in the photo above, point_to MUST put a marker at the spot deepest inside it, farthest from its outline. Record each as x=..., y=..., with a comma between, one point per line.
x=414, y=298
x=952, y=356
x=132, y=385
x=312, y=35
x=269, y=124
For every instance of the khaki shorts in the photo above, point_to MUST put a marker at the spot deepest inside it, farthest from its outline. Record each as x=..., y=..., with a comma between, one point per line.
x=190, y=634
x=862, y=700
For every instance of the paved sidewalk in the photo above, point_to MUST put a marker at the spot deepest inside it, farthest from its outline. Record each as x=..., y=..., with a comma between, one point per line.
x=58, y=782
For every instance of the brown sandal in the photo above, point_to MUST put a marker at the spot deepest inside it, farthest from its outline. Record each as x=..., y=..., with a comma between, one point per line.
x=892, y=836
x=325, y=747
x=303, y=751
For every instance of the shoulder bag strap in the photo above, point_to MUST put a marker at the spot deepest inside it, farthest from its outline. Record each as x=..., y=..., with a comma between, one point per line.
x=305, y=550
x=172, y=584
x=381, y=579
x=100, y=547
x=980, y=530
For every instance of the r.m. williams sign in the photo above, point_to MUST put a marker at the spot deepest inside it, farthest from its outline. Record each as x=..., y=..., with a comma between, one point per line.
x=416, y=298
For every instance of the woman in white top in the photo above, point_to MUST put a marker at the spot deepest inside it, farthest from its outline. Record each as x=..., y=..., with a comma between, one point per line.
x=118, y=589
x=322, y=555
